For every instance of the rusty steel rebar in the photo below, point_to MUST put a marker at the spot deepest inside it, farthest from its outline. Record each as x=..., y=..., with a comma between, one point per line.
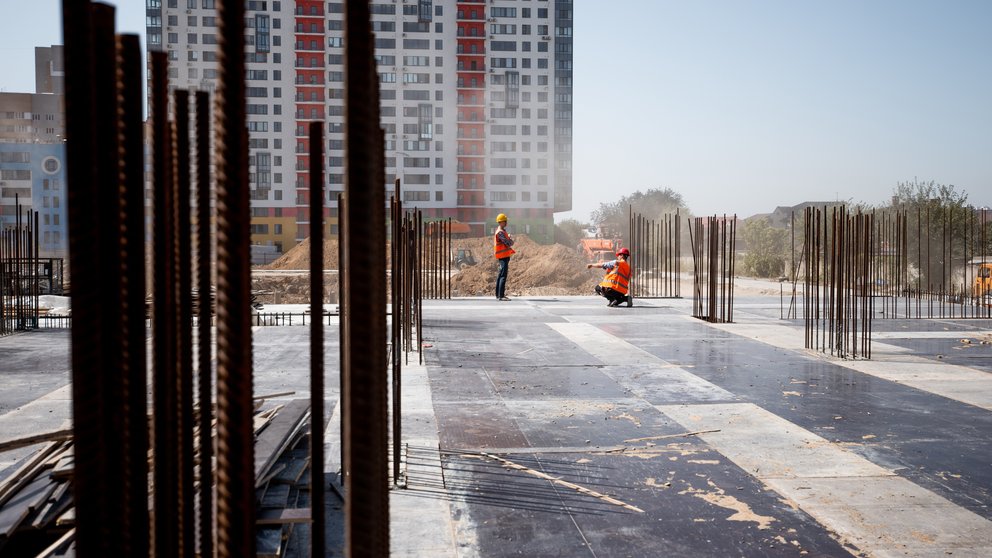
x=713, y=241
x=839, y=268
x=184, y=323
x=101, y=498
x=204, y=247
x=164, y=321
x=655, y=253
x=235, y=435
x=133, y=290
x=365, y=420
x=317, y=492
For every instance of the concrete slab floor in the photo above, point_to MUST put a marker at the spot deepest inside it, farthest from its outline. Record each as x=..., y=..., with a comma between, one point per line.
x=554, y=426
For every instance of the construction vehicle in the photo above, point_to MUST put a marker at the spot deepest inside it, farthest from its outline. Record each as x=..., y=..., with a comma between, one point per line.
x=983, y=280
x=463, y=258
x=598, y=249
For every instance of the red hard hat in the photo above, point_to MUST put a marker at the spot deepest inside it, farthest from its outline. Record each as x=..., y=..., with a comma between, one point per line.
x=624, y=252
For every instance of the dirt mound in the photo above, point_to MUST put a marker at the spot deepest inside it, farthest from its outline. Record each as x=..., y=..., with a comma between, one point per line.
x=534, y=270
x=299, y=257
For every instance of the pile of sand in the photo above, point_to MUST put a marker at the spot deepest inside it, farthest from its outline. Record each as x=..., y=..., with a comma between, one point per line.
x=535, y=269
x=299, y=257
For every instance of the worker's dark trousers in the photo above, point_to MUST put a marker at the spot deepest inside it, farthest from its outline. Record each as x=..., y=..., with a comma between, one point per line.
x=610, y=294
x=504, y=266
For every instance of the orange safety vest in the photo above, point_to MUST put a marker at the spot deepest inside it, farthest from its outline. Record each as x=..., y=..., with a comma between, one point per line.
x=618, y=278
x=501, y=250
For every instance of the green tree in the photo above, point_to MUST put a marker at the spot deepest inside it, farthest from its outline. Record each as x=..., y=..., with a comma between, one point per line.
x=569, y=231
x=766, y=249
x=653, y=204
x=939, y=229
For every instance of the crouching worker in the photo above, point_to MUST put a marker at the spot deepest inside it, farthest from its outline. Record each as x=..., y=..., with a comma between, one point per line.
x=614, y=286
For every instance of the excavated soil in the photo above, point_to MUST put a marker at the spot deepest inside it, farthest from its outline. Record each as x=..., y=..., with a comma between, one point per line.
x=534, y=270
x=299, y=257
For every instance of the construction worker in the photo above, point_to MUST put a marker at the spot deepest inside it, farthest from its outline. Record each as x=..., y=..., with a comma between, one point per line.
x=615, y=284
x=502, y=241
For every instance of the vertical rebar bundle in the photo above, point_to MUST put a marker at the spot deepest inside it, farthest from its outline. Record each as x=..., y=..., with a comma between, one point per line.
x=655, y=250
x=435, y=253
x=21, y=273
x=713, y=241
x=839, y=270
x=936, y=278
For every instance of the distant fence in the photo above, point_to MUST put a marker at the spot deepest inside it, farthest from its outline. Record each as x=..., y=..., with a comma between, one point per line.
x=260, y=319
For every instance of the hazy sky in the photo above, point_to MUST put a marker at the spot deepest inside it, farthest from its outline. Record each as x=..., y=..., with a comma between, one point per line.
x=740, y=106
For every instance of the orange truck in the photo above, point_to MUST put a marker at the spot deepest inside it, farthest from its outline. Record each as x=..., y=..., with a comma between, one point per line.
x=597, y=249
x=983, y=280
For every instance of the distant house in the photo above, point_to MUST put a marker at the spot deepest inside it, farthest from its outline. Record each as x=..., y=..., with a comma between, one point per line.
x=781, y=217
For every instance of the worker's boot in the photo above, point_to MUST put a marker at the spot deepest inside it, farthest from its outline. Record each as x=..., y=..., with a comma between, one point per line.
x=630, y=301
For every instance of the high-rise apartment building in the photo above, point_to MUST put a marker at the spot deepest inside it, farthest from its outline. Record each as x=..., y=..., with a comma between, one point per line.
x=32, y=154
x=476, y=103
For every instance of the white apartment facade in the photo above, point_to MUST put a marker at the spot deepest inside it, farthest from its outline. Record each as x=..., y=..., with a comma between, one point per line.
x=475, y=103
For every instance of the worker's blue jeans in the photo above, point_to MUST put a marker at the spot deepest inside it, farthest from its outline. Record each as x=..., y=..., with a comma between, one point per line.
x=504, y=266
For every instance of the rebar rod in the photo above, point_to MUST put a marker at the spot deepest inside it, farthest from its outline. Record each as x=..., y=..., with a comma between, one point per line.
x=367, y=507
x=204, y=247
x=317, y=492
x=133, y=290
x=235, y=437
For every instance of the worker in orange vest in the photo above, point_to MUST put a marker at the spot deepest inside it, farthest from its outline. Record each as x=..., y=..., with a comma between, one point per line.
x=617, y=281
x=502, y=241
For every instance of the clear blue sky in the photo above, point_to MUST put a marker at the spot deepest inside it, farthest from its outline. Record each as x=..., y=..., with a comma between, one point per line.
x=740, y=106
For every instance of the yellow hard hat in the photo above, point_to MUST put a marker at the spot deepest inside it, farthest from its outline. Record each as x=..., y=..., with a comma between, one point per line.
x=501, y=218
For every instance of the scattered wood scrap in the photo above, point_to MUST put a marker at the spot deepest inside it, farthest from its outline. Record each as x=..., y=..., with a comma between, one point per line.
x=37, y=496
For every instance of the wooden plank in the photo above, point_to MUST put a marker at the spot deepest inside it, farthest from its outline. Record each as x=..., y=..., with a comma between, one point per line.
x=22, y=504
x=58, y=547
x=30, y=467
x=283, y=516
x=276, y=496
x=277, y=435
x=292, y=471
x=64, y=467
x=51, y=436
x=268, y=542
x=59, y=498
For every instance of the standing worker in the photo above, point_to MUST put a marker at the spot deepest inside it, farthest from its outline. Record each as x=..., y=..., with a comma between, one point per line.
x=614, y=286
x=501, y=248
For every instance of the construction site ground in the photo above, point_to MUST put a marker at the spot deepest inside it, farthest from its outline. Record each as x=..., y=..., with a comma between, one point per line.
x=555, y=426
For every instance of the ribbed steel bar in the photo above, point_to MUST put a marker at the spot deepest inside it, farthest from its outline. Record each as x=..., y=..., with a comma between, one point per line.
x=396, y=231
x=91, y=120
x=367, y=504
x=4, y=328
x=133, y=290
x=235, y=436
x=204, y=247
x=184, y=332
x=165, y=351
x=317, y=492
x=342, y=329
